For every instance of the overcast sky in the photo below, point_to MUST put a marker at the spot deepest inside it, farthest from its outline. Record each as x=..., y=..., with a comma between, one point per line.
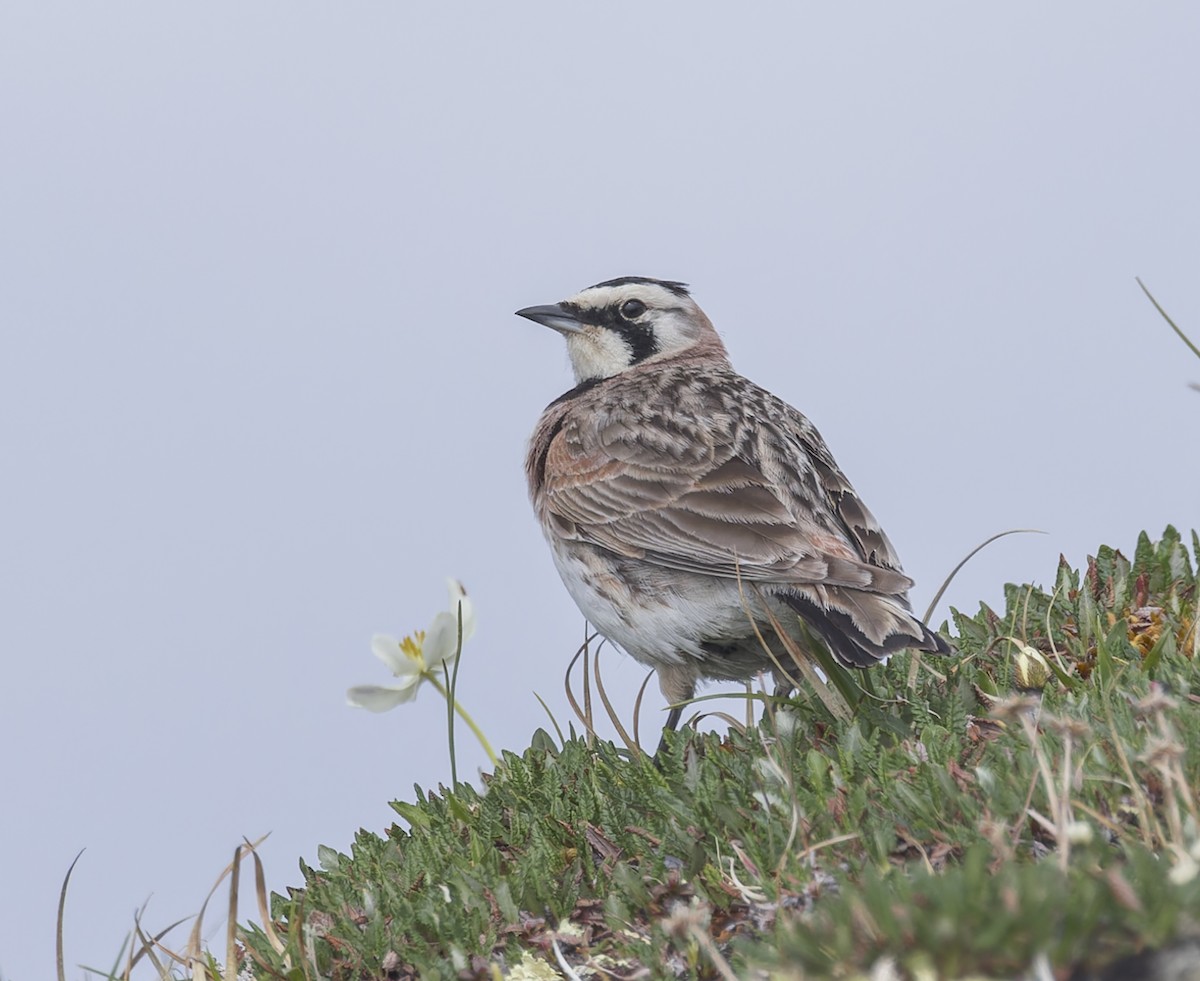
x=261, y=388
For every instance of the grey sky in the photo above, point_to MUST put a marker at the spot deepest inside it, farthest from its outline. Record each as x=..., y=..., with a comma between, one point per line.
x=261, y=387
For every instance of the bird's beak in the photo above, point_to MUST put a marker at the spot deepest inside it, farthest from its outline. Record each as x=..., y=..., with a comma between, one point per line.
x=553, y=315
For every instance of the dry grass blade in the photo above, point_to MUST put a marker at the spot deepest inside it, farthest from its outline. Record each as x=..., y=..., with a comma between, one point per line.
x=62, y=905
x=149, y=943
x=589, y=715
x=193, y=952
x=267, y=970
x=967, y=558
x=553, y=721
x=838, y=839
x=837, y=704
x=780, y=669
x=568, y=972
x=631, y=744
x=1182, y=336
x=231, y=921
x=264, y=907
x=915, y=666
x=583, y=714
x=725, y=717
x=637, y=708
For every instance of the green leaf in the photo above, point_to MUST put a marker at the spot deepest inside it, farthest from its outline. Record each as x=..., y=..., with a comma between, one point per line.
x=414, y=814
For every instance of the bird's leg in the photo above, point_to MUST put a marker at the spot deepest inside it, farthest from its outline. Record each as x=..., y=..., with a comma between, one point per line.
x=783, y=688
x=677, y=685
x=670, y=725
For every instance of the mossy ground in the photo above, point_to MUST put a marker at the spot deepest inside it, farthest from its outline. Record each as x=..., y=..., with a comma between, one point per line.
x=956, y=826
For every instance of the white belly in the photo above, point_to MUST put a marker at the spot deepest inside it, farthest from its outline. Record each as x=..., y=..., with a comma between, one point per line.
x=660, y=617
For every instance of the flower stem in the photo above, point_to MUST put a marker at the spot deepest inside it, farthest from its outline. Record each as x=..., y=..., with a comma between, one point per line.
x=462, y=714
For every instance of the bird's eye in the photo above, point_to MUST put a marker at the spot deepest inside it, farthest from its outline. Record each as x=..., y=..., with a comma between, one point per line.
x=632, y=309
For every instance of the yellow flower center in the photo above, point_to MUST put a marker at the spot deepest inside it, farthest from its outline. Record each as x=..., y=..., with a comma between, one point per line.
x=412, y=647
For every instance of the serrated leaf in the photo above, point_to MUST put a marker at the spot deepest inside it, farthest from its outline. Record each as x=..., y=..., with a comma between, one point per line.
x=328, y=858
x=414, y=814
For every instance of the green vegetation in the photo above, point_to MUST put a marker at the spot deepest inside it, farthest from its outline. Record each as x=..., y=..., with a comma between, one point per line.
x=958, y=825
x=1027, y=809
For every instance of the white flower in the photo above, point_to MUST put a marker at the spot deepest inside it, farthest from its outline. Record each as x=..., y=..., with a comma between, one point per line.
x=1184, y=869
x=418, y=657
x=1031, y=668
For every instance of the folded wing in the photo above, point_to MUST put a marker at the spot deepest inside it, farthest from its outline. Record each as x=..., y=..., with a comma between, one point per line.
x=768, y=505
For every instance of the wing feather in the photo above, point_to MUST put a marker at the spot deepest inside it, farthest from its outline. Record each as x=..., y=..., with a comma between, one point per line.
x=706, y=495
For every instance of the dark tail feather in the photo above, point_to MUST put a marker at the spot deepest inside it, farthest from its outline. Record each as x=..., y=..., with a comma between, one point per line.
x=863, y=629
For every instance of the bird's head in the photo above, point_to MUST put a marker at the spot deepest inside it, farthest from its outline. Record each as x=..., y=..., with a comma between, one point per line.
x=615, y=325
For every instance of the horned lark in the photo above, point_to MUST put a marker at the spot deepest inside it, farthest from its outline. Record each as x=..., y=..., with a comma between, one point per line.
x=689, y=510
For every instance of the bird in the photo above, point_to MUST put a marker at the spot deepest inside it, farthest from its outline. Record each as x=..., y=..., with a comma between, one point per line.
x=691, y=513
